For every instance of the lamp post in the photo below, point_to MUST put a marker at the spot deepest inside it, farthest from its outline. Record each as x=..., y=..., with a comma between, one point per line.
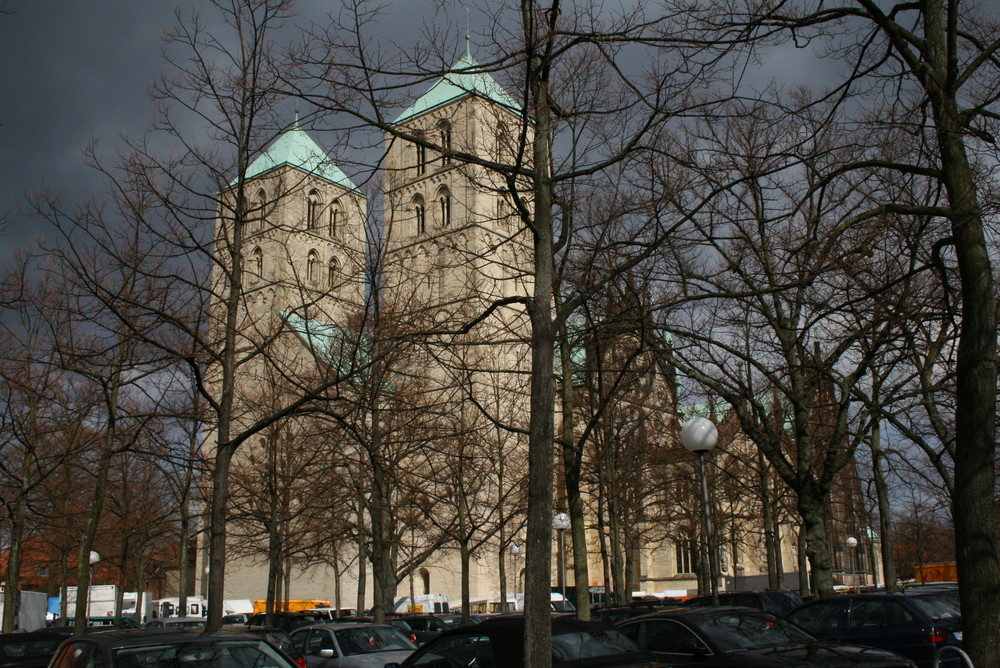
x=93, y=559
x=699, y=436
x=515, y=552
x=852, y=545
x=560, y=522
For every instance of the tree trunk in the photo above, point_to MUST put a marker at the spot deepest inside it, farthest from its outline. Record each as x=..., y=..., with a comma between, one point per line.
x=803, y=565
x=771, y=544
x=812, y=510
x=572, y=465
x=975, y=413
x=217, y=533
x=83, y=568
x=11, y=590
x=884, y=511
x=538, y=548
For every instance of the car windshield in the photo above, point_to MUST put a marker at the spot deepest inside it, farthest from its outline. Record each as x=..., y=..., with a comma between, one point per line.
x=939, y=607
x=369, y=639
x=213, y=654
x=744, y=630
x=589, y=644
x=27, y=646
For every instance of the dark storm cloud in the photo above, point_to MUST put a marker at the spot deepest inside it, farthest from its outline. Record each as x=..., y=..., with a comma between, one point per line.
x=75, y=70
x=72, y=70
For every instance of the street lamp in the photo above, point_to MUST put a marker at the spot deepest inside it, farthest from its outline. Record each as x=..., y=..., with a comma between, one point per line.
x=699, y=436
x=93, y=559
x=852, y=544
x=515, y=552
x=560, y=522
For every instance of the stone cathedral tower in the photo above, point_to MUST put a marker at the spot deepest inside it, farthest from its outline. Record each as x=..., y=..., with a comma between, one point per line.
x=454, y=244
x=304, y=248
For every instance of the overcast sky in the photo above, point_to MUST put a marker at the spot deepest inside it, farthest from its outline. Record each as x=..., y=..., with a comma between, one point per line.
x=74, y=70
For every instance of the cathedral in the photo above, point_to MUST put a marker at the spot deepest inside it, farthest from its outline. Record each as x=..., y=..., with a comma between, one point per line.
x=442, y=268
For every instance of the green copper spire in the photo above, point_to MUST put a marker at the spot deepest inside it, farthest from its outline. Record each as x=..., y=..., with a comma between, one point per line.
x=296, y=149
x=465, y=79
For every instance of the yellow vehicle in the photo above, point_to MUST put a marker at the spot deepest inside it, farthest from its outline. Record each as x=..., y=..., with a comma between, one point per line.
x=944, y=572
x=292, y=605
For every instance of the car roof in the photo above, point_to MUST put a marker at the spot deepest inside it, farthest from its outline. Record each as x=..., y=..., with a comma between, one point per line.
x=696, y=612
x=140, y=637
x=343, y=625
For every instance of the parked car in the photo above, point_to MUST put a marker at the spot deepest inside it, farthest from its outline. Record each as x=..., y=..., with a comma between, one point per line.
x=352, y=645
x=452, y=620
x=424, y=628
x=617, y=614
x=175, y=623
x=28, y=650
x=275, y=636
x=123, y=622
x=288, y=621
x=734, y=637
x=168, y=648
x=776, y=601
x=334, y=614
x=237, y=618
x=915, y=625
x=499, y=642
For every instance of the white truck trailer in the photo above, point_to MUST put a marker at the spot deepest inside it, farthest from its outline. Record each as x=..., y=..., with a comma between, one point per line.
x=31, y=610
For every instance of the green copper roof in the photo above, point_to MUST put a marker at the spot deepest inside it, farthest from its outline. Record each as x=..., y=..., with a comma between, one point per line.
x=296, y=149
x=465, y=79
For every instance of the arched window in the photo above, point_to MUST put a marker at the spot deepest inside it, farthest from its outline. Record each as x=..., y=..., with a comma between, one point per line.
x=336, y=219
x=505, y=212
x=503, y=141
x=312, y=267
x=312, y=210
x=260, y=207
x=425, y=577
x=419, y=215
x=421, y=156
x=444, y=139
x=332, y=273
x=257, y=263
x=444, y=207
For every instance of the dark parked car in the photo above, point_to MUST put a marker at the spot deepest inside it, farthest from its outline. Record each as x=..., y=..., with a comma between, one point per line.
x=777, y=601
x=617, y=614
x=423, y=628
x=915, y=625
x=28, y=650
x=168, y=648
x=744, y=637
x=352, y=645
x=275, y=636
x=499, y=643
x=175, y=623
x=288, y=621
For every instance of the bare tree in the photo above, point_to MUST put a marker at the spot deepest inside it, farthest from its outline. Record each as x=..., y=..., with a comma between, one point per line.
x=932, y=66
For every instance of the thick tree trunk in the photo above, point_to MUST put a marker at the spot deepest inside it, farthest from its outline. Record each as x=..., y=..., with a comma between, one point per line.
x=83, y=568
x=974, y=494
x=217, y=534
x=975, y=415
x=12, y=588
x=812, y=510
x=538, y=549
x=884, y=512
